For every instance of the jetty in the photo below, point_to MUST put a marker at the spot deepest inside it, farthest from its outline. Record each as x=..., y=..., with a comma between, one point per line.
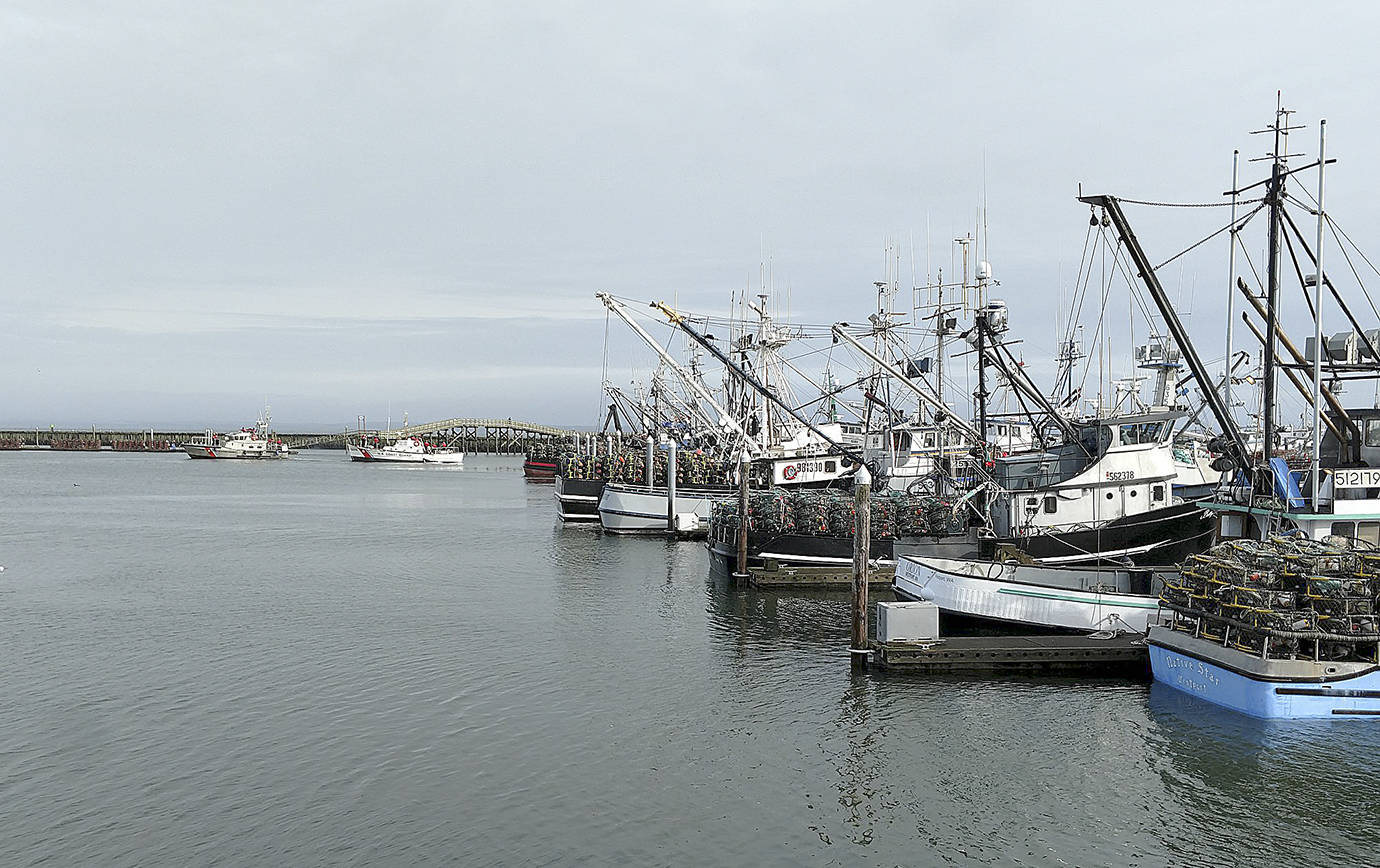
x=473, y=435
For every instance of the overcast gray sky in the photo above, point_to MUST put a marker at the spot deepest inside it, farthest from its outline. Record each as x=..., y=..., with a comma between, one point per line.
x=354, y=208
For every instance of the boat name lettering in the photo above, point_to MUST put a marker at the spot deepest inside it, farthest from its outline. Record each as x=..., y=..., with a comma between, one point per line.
x=790, y=471
x=1194, y=667
x=1356, y=477
x=1116, y=475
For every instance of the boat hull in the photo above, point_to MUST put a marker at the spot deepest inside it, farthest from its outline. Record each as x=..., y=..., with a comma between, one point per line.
x=384, y=455
x=377, y=453
x=449, y=458
x=1270, y=689
x=1030, y=595
x=197, y=450
x=539, y=470
x=1160, y=537
x=578, y=499
x=633, y=509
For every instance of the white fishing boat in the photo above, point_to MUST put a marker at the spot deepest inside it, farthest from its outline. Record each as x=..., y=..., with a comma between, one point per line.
x=402, y=450
x=633, y=509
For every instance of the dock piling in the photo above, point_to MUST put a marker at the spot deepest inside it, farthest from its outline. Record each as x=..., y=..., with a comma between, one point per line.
x=862, y=537
x=744, y=468
x=671, y=487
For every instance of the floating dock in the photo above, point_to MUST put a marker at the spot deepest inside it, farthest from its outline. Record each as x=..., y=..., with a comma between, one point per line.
x=1122, y=654
x=774, y=574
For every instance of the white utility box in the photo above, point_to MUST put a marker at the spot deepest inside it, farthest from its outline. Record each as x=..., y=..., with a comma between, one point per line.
x=907, y=622
x=687, y=522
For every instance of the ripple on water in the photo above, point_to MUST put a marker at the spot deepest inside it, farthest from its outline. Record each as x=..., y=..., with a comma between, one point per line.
x=344, y=665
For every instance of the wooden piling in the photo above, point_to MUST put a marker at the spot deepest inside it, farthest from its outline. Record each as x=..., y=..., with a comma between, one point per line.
x=650, y=473
x=671, y=486
x=862, y=539
x=744, y=468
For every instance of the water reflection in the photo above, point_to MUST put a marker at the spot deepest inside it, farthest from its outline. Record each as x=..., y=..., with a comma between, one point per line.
x=1230, y=772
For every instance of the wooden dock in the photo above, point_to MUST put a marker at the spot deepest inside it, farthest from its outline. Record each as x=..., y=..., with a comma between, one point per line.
x=774, y=574
x=1120, y=655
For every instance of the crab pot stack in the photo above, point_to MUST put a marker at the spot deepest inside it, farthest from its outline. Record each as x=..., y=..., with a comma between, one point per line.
x=1284, y=598
x=831, y=513
x=544, y=452
x=575, y=466
x=694, y=468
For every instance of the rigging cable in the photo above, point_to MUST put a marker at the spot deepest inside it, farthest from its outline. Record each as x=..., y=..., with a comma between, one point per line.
x=1339, y=235
x=1202, y=241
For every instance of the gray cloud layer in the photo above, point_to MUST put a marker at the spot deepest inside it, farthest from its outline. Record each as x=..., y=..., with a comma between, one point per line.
x=344, y=207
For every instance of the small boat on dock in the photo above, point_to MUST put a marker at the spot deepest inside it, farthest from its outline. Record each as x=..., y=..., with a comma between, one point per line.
x=1033, y=595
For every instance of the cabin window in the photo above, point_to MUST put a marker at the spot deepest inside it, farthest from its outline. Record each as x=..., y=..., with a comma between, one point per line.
x=1368, y=531
x=929, y=441
x=1373, y=432
x=900, y=441
x=1133, y=492
x=1145, y=432
x=1343, y=528
x=831, y=467
x=1157, y=493
x=1051, y=503
x=1109, y=495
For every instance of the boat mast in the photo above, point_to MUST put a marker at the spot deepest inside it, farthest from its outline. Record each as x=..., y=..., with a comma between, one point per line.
x=941, y=331
x=1319, y=278
x=898, y=375
x=1231, y=277
x=1236, y=444
x=981, y=394
x=1275, y=201
x=725, y=419
x=679, y=320
x=980, y=321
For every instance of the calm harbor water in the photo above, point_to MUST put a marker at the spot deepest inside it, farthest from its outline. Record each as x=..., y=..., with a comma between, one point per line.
x=308, y=662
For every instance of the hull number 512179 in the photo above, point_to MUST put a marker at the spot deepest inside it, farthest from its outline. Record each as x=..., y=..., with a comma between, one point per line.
x=1356, y=477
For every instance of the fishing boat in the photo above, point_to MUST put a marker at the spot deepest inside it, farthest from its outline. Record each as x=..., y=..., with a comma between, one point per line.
x=401, y=450
x=1280, y=628
x=580, y=477
x=641, y=509
x=539, y=463
x=578, y=499
x=1281, y=619
x=1068, y=526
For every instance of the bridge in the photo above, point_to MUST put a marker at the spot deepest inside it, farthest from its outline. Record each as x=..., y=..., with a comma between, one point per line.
x=494, y=436
x=491, y=436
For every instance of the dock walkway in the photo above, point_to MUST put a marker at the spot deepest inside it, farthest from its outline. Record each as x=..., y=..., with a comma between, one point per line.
x=1124, y=654
x=774, y=574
